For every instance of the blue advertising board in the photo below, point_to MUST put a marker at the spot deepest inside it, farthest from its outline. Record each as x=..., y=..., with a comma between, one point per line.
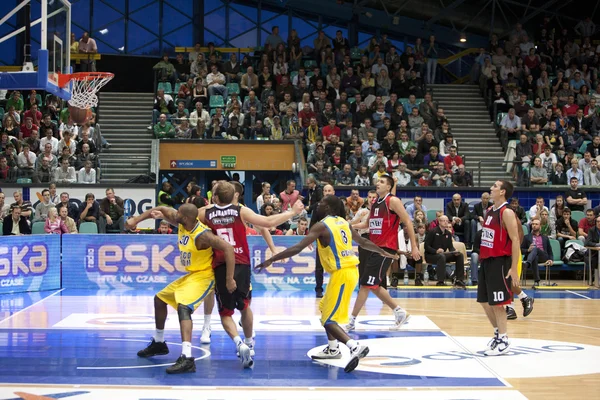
x=29, y=263
x=150, y=262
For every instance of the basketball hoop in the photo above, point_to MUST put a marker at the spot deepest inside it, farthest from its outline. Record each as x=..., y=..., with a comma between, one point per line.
x=85, y=86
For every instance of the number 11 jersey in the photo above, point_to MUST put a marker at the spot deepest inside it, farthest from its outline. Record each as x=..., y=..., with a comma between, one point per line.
x=226, y=222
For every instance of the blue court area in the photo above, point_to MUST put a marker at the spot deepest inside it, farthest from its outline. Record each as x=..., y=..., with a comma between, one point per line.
x=83, y=337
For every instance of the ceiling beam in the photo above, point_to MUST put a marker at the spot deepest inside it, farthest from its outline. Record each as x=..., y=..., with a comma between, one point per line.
x=446, y=11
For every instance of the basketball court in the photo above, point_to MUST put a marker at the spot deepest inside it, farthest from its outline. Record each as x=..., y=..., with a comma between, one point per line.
x=83, y=344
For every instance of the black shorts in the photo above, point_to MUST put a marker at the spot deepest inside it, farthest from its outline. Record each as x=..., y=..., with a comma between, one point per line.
x=240, y=299
x=494, y=288
x=363, y=256
x=375, y=269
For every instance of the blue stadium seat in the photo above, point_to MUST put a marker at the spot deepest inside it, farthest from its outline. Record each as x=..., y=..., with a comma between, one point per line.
x=216, y=101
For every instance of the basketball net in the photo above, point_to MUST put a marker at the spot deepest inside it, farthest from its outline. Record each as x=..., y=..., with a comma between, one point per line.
x=84, y=87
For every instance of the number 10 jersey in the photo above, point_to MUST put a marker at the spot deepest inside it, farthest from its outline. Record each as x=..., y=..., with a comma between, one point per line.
x=226, y=222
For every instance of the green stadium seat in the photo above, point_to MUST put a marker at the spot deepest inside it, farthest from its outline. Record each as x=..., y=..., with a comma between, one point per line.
x=310, y=64
x=293, y=74
x=88, y=227
x=525, y=230
x=356, y=53
x=577, y=215
x=431, y=215
x=166, y=86
x=177, y=86
x=530, y=102
x=351, y=100
x=233, y=88
x=216, y=101
x=584, y=146
x=1, y=113
x=1, y=228
x=38, y=228
x=499, y=117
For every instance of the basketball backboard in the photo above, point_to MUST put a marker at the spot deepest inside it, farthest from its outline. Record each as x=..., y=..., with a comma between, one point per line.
x=48, y=46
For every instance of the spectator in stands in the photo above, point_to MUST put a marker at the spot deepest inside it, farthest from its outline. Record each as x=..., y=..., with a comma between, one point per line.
x=63, y=212
x=216, y=83
x=65, y=173
x=439, y=250
x=431, y=52
x=15, y=223
x=41, y=210
x=86, y=174
x=313, y=195
x=290, y=195
x=7, y=174
x=4, y=208
x=538, y=175
x=54, y=224
x=27, y=127
x=575, y=173
x=461, y=221
x=274, y=39
x=519, y=211
x=566, y=228
x=111, y=212
x=576, y=197
x=593, y=241
x=594, y=147
x=26, y=162
x=480, y=209
x=585, y=224
x=462, y=178
x=67, y=141
x=49, y=138
x=440, y=177
x=163, y=129
x=452, y=161
x=166, y=70
x=530, y=124
x=85, y=140
x=416, y=205
x=536, y=249
x=582, y=125
x=84, y=157
x=592, y=175
x=509, y=127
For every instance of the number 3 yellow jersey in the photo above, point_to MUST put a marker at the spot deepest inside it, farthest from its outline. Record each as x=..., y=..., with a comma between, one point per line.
x=192, y=259
x=339, y=254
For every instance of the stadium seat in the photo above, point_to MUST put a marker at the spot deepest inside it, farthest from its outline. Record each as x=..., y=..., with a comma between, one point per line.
x=556, y=258
x=351, y=100
x=23, y=180
x=293, y=74
x=530, y=102
x=38, y=228
x=88, y=227
x=233, y=88
x=525, y=230
x=310, y=74
x=499, y=117
x=1, y=227
x=177, y=87
x=355, y=53
x=166, y=86
x=1, y=113
x=584, y=146
x=38, y=98
x=431, y=215
x=577, y=215
x=216, y=101
x=310, y=64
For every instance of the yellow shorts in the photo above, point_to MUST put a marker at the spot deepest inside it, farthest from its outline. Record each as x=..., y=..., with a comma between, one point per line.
x=335, y=304
x=189, y=290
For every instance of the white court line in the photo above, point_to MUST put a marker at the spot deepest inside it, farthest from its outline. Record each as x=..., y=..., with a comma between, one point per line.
x=578, y=294
x=478, y=359
x=29, y=306
x=206, y=354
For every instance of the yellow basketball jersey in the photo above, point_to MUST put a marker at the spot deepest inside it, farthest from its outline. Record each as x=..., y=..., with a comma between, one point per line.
x=339, y=254
x=192, y=259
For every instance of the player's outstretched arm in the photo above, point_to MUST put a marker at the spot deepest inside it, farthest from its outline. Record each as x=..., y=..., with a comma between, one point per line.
x=167, y=213
x=397, y=207
x=314, y=233
x=208, y=239
x=368, y=245
x=273, y=220
x=264, y=232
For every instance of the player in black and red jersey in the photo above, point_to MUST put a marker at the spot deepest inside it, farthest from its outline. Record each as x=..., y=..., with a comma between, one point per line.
x=499, y=241
x=384, y=220
x=228, y=221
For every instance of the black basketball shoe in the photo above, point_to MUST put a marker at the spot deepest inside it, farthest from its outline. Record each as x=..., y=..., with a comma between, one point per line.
x=182, y=365
x=527, y=305
x=154, y=349
x=510, y=313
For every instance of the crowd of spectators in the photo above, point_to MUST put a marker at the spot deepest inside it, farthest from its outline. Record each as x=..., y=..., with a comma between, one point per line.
x=40, y=143
x=59, y=214
x=542, y=90
x=358, y=114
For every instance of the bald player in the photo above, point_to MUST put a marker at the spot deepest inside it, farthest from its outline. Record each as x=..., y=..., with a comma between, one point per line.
x=196, y=243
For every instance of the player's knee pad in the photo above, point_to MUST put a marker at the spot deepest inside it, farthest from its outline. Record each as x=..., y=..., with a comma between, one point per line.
x=184, y=313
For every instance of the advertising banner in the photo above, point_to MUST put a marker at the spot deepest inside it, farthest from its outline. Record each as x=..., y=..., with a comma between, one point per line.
x=29, y=263
x=150, y=262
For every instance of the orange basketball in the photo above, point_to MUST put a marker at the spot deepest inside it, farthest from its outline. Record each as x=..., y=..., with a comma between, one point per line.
x=80, y=115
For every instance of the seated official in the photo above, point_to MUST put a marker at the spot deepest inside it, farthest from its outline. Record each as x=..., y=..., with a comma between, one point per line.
x=439, y=250
x=15, y=223
x=537, y=249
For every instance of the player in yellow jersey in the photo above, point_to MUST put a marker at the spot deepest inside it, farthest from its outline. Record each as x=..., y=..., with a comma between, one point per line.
x=334, y=238
x=196, y=244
